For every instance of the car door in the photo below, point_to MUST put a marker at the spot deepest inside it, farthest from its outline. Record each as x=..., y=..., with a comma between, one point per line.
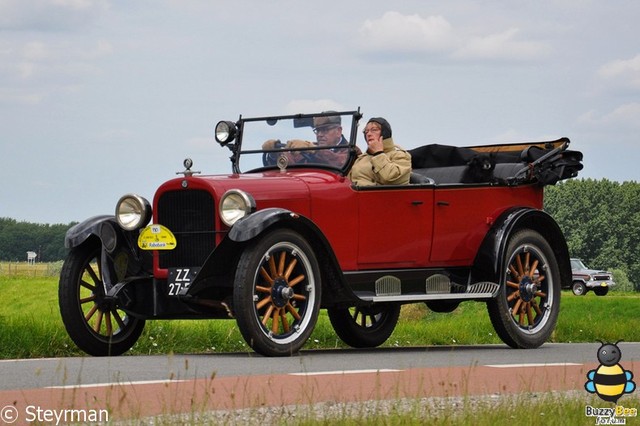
x=394, y=226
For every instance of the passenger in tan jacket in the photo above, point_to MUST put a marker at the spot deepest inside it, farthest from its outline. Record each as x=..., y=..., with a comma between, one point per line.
x=384, y=163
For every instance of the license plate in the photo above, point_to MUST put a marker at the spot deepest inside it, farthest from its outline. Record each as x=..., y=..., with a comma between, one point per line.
x=180, y=279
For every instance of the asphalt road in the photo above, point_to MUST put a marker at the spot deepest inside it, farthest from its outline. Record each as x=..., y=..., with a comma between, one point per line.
x=134, y=387
x=48, y=372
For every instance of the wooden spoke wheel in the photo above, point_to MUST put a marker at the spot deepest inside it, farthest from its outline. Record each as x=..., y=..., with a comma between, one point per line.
x=365, y=326
x=95, y=324
x=277, y=293
x=525, y=311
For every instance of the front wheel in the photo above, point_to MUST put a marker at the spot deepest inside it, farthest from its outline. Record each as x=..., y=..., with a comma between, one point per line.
x=364, y=326
x=277, y=293
x=525, y=311
x=579, y=289
x=601, y=291
x=95, y=324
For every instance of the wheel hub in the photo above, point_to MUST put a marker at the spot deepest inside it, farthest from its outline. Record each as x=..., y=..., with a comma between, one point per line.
x=281, y=293
x=527, y=289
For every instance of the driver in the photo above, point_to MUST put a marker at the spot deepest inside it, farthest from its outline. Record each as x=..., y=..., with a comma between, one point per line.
x=328, y=131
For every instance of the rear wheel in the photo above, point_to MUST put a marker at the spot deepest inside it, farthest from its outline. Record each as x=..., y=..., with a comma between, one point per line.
x=95, y=324
x=525, y=312
x=364, y=326
x=277, y=293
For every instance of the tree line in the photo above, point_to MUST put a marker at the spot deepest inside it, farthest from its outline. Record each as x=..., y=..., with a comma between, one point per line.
x=599, y=218
x=601, y=222
x=17, y=238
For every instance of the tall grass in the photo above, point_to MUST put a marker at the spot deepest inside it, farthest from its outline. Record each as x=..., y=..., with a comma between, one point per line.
x=30, y=325
x=553, y=408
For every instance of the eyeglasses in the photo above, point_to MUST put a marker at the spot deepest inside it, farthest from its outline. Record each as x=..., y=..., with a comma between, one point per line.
x=371, y=129
x=324, y=129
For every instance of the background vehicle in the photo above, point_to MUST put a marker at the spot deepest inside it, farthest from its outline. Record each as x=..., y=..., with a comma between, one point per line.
x=287, y=234
x=585, y=279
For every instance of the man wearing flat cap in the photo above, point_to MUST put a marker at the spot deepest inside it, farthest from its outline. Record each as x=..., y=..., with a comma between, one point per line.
x=328, y=130
x=384, y=163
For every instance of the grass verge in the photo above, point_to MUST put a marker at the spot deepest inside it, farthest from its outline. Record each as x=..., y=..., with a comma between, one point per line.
x=30, y=325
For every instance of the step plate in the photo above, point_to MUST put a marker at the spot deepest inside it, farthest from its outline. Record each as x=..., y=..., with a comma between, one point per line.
x=388, y=286
x=477, y=291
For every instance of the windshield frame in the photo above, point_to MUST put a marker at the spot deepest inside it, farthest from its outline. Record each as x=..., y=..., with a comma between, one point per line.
x=303, y=120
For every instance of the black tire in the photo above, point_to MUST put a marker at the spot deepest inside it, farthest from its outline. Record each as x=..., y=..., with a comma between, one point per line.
x=277, y=293
x=525, y=312
x=96, y=326
x=601, y=291
x=365, y=326
x=578, y=288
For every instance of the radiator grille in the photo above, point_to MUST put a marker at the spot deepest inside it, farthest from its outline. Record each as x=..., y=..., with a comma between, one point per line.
x=190, y=215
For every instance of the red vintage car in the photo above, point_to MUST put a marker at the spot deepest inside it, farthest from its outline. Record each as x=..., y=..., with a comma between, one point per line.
x=287, y=234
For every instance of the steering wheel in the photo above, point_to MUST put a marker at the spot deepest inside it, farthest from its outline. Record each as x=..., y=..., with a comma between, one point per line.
x=270, y=158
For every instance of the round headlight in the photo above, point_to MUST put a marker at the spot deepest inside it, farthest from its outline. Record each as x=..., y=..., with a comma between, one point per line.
x=225, y=132
x=133, y=212
x=234, y=205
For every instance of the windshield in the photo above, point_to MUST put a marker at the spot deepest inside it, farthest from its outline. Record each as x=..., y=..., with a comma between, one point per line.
x=577, y=264
x=316, y=140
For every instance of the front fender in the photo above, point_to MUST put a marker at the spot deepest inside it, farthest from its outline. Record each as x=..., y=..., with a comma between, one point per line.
x=253, y=225
x=79, y=233
x=219, y=268
x=115, y=242
x=490, y=261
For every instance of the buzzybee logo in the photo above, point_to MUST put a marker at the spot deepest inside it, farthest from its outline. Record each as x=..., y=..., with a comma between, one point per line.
x=610, y=381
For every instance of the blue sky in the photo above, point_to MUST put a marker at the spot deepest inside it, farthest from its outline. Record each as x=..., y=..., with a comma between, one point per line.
x=100, y=98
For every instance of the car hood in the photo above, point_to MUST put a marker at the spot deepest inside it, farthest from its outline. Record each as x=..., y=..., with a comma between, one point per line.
x=589, y=272
x=289, y=189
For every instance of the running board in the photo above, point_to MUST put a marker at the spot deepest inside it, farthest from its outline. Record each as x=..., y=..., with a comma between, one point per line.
x=477, y=291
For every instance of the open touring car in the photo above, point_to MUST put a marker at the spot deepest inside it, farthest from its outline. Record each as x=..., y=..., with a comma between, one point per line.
x=287, y=234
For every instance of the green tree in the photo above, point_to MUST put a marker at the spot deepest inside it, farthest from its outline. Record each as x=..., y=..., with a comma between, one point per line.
x=600, y=220
x=17, y=238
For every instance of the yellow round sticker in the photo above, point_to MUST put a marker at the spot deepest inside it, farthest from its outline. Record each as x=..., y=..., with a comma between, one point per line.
x=156, y=237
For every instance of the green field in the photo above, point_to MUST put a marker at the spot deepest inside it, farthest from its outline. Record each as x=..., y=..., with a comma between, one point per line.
x=30, y=324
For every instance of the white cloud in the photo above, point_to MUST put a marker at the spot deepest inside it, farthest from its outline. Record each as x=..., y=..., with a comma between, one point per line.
x=50, y=15
x=312, y=105
x=33, y=70
x=627, y=115
x=623, y=71
x=20, y=97
x=36, y=58
x=399, y=34
x=394, y=31
x=75, y=4
x=504, y=45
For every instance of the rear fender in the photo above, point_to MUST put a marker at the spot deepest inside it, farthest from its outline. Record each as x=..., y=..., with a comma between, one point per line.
x=490, y=265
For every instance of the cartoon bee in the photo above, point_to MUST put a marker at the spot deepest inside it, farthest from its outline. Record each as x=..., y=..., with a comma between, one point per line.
x=609, y=381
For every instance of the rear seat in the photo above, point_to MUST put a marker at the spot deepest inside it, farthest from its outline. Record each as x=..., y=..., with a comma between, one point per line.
x=456, y=174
